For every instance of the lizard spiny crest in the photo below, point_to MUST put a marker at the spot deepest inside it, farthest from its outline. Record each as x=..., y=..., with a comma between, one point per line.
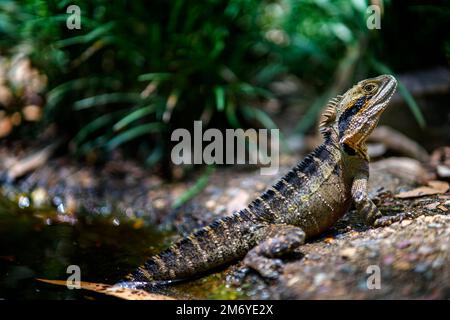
x=328, y=117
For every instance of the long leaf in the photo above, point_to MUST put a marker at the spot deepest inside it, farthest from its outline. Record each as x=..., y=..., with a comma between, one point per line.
x=133, y=133
x=154, y=76
x=133, y=116
x=220, y=97
x=107, y=98
x=199, y=185
x=91, y=36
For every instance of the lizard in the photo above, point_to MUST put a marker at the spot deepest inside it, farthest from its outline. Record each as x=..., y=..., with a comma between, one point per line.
x=304, y=203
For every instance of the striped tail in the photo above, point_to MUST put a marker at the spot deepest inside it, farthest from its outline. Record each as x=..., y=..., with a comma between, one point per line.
x=221, y=242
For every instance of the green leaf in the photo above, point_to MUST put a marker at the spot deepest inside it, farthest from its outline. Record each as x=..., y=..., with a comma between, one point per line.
x=155, y=156
x=230, y=113
x=159, y=76
x=133, y=133
x=107, y=98
x=91, y=36
x=310, y=117
x=92, y=126
x=56, y=95
x=199, y=185
x=260, y=116
x=220, y=97
x=412, y=104
x=133, y=116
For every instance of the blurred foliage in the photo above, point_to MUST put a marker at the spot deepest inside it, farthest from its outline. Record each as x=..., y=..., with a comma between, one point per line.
x=139, y=69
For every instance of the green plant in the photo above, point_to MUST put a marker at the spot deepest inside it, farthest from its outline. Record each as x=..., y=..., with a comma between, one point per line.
x=139, y=69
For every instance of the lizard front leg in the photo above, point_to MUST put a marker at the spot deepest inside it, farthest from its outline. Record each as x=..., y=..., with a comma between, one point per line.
x=364, y=205
x=367, y=208
x=277, y=240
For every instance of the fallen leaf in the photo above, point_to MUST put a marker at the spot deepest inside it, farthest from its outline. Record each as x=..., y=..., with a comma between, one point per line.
x=434, y=187
x=441, y=186
x=31, y=162
x=111, y=290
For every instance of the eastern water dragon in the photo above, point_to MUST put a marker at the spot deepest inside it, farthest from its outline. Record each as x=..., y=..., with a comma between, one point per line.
x=308, y=200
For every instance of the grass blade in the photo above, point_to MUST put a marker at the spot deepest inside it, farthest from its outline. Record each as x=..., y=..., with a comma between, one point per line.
x=133, y=133
x=107, y=98
x=133, y=116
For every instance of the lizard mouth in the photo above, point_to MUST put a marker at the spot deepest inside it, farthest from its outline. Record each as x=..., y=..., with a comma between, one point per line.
x=385, y=93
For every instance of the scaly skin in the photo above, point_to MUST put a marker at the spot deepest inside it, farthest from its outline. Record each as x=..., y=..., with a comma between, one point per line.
x=304, y=203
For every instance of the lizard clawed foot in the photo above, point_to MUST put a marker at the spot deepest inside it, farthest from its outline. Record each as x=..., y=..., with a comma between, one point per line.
x=279, y=241
x=268, y=268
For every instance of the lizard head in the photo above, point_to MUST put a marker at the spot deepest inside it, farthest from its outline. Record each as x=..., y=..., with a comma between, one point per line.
x=358, y=110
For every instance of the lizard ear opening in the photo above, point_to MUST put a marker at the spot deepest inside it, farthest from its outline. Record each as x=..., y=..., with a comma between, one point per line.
x=329, y=115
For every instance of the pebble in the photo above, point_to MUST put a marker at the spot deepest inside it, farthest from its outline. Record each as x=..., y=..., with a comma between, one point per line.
x=403, y=244
x=388, y=259
x=116, y=222
x=434, y=225
x=24, y=202
x=439, y=262
x=320, y=278
x=405, y=223
x=421, y=267
x=402, y=265
x=259, y=186
x=160, y=203
x=210, y=204
x=348, y=253
x=60, y=208
x=425, y=250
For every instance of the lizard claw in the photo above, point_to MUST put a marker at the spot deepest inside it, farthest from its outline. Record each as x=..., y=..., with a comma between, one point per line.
x=388, y=220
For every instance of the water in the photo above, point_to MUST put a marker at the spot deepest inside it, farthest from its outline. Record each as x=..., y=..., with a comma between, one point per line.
x=43, y=243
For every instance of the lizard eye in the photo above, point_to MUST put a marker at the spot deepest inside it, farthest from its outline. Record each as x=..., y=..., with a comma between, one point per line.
x=370, y=88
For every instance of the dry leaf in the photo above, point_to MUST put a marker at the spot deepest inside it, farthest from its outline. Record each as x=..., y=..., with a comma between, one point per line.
x=31, y=162
x=434, y=187
x=111, y=290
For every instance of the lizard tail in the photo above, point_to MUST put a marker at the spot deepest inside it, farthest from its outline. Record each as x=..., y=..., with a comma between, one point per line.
x=221, y=242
